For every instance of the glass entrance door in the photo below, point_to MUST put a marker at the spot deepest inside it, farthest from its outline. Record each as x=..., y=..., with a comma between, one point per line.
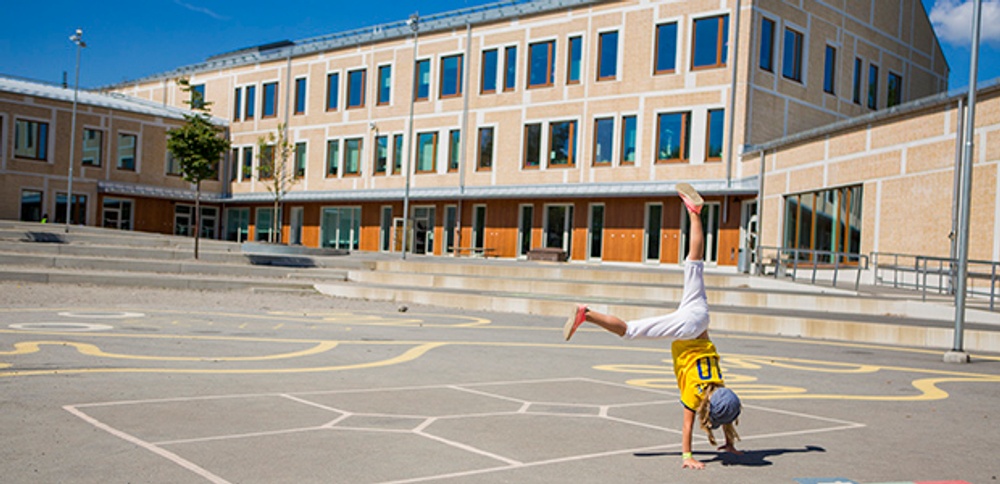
x=595, y=233
x=654, y=227
x=116, y=214
x=559, y=227
x=525, y=221
x=340, y=227
x=423, y=230
x=237, y=224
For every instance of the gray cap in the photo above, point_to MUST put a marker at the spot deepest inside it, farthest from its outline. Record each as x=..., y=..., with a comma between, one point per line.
x=723, y=407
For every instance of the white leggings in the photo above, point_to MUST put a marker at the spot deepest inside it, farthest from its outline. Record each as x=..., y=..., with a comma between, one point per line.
x=688, y=321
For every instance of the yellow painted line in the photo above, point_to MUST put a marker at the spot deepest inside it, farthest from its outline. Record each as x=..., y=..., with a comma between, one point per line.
x=28, y=347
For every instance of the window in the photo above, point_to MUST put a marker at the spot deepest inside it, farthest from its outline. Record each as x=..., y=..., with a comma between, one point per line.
x=767, y=44
x=77, y=212
x=666, y=48
x=352, y=156
x=93, y=142
x=172, y=166
x=384, y=84
x=830, y=70
x=716, y=119
x=791, y=63
x=426, y=152
x=381, y=154
x=485, y=149
x=263, y=223
x=422, y=80
x=340, y=227
x=857, y=80
x=894, y=96
x=673, y=136
x=454, y=149
x=332, y=157
x=265, y=163
x=397, y=153
x=356, y=88
x=251, y=102
x=607, y=60
x=332, y=91
x=562, y=143
x=300, y=159
x=270, y=100
x=31, y=206
x=711, y=42
x=542, y=64
x=237, y=103
x=234, y=165
x=575, y=58
x=828, y=220
x=628, y=141
x=451, y=76
x=247, y=162
x=300, y=95
x=126, y=151
x=510, y=68
x=604, y=135
x=489, y=82
x=31, y=139
x=198, y=96
x=532, y=145
x=872, y=86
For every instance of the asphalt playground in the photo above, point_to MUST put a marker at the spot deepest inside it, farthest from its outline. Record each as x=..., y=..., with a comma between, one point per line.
x=363, y=393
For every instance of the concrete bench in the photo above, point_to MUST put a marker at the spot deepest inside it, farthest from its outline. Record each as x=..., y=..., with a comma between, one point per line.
x=550, y=254
x=474, y=251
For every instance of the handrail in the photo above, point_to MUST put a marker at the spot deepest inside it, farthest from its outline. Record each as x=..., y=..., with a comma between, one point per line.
x=785, y=256
x=944, y=269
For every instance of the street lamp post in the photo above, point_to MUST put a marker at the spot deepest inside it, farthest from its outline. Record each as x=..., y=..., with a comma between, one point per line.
x=414, y=23
x=76, y=38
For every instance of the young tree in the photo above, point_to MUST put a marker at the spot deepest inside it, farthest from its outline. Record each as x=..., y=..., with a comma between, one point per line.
x=198, y=145
x=273, y=168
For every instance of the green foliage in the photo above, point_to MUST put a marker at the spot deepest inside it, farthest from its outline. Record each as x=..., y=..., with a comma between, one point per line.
x=273, y=154
x=198, y=145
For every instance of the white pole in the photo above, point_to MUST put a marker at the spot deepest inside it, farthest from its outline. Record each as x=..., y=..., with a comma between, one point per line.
x=76, y=38
x=414, y=25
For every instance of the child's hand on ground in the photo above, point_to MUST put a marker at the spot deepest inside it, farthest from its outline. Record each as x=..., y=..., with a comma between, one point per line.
x=692, y=464
x=731, y=449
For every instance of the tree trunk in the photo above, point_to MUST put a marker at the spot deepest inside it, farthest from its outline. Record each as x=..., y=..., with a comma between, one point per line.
x=197, y=217
x=276, y=226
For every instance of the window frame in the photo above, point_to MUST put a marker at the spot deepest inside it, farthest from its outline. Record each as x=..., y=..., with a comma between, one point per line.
x=362, y=85
x=484, y=73
x=417, y=79
x=709, y=133
x=398, y=148
x=601, y=36
x=250, y=102
x=572, y=139
x=830, y=70
x=872, y=101
x=332, y=91
x=301, y=159
x=509, y=68
x=893, y=99
x=384, y=94
x=798, y=55
x=273, y=87
x=623, y=141
x=83, y=146
x=858, y=80
x=549, y=63
x=769, y=67
x=135, y=151
x=684, y=149
x=721, y=42
x=238, y=103
x=197, y=100
x=332, y=158
x=454, y=149
x=360, y=158
x=481, y=154
x=418, y=145
x=657, y=69
x=380, y=155
x=595, y=160
x=301, y=91
x=525, y=161
x=457, y=81
x=40, y=133
x=574, y=54
x=247, y=168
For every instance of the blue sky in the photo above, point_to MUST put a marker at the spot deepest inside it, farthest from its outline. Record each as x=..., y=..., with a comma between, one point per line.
x=132, y=39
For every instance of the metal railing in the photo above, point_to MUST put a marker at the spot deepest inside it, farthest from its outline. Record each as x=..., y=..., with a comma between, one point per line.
x=926, y=273
x=785, y=259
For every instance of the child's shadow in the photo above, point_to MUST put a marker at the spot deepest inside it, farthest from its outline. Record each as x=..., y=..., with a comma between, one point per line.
x=749, y=458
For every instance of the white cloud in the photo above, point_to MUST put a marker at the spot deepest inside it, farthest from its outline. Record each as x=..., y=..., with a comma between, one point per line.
x=195, y=8
x=952, y=20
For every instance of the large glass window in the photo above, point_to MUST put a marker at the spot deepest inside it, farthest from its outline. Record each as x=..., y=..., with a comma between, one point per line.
x=126, y=151
x=78, y=209
x=270, y=100
x=264, y=224
x=767, y=44
x=381, y=154
x=532, y=145
x=666, y=48
x=31, y=206
x=356, y=88
x=250, y=106
x=485, y=148
x=352, y=156
x=825, y=220
x=489, y=83
x=510, y=68
x=894, y=95
x=562, y=143
x=830, y=70
x=716, y=118
x=117, y=214
x=791, y=64
x=711, y=42
x=542, y=64
x=451, y=76
x=422, y=80
x=332, y=91
x=607, y=61
x=575, y=59
x=426, y=152
x=332, y=157
x=340, y=227
x=93, y=144
x=384, y=84
x=872, y=86
x=300, y=95
x=300, y=159
x=673, y=136
x=31, y=139
x=628, y=140
x=604, y=135
x=454, y=149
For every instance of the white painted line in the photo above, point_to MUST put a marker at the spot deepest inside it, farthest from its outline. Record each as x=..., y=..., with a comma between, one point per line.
x=469, y=448
x=82, y=327
x=146, y=445
x=101, y=315
x=215, y=438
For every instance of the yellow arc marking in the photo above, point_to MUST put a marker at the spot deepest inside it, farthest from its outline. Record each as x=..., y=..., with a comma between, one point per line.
x=28, y=347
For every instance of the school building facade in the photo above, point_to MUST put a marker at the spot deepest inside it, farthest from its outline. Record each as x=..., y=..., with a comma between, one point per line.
x=562, y=124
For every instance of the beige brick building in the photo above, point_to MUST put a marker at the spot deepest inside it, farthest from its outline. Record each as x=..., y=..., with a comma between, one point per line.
x=563, y=124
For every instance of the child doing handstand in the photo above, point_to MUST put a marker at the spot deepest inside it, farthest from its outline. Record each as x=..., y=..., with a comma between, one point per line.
x=696, y=362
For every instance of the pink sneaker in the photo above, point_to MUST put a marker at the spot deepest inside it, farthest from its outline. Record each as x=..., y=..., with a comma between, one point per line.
x=691, y=198
x=575, y=320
